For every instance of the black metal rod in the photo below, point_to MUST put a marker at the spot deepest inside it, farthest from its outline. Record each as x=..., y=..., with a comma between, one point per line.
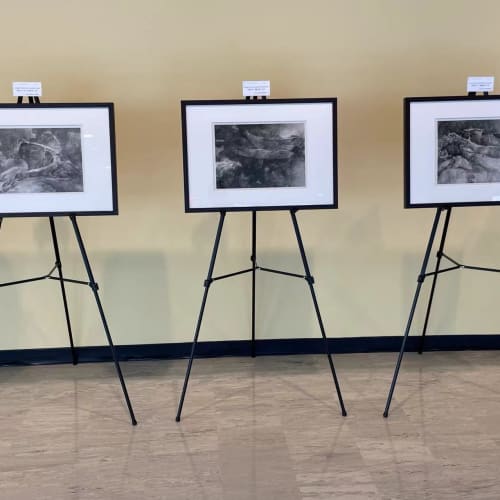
x=93, y=286
x=477, y=268
x=207, y=284
x=442, y=271
x=20, y=282
x=434, y=279
x=69, y=280
x=453, y=261
x=310, y=282
x=49, y=274
x=236, y=273
x=30, y=280
x=413, y=307
x=284, y=273
x=254, y=268
x=58, y=264
x=230, y=275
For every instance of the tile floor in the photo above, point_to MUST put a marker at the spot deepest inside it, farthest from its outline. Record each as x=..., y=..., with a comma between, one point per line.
x=265, y=428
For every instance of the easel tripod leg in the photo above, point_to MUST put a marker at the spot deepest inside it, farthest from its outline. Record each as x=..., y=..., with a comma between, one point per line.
x=63, y=289
x=207, y=284
x=412, y=310
x=434, y=279
x=93, y=286
x=310, y=282
x=254, y=269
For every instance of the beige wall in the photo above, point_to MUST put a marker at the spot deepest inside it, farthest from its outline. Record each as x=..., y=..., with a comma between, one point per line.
x=151, y=260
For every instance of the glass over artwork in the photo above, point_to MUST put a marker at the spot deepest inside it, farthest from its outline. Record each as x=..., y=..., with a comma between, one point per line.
x=259, y=155
x=452, y=151
x=40, y=160
x=271, y=154
x=468, y=151
x=57, y=159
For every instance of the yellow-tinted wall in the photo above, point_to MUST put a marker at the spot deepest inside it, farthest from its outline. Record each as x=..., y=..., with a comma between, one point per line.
x=151, y=260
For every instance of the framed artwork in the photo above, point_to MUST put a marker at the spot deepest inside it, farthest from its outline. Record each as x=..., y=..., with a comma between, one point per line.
x=57, y=159
x=452, y=151
x=259, y=155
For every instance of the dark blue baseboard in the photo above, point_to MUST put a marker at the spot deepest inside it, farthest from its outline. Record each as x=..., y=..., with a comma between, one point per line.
x=242, y=348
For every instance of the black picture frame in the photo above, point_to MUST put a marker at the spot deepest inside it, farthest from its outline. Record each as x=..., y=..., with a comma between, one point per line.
x=299, y=172
x=447, y=158
x=57, y=159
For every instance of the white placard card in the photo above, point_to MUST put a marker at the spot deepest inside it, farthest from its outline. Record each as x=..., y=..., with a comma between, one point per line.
x=480, y=83
x=27, y=89
x=252, y=88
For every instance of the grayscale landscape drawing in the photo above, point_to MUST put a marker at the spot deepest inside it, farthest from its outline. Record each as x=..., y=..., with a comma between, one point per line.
x=260, y=155
x=468, y=151
x=40, y=160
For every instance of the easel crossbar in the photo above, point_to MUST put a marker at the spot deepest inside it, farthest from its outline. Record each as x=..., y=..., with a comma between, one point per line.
x=447, y=257
x=284, y=273
x=47, y=276
x=458, y=265
x=70, y=280
x=230, y=275
x=441, y=271
x=257, y=268
x=475, y=268
x=27, y=280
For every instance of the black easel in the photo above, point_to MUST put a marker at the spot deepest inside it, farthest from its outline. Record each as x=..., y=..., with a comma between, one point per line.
x=210, y=279
x=420, y=280
x=91, y=283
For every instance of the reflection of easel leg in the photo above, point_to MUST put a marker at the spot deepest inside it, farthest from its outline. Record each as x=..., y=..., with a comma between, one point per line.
x=310, y=282
x=63, y=289
x=434, y=279
x=420, y=280
x=94, y=287
x=253, y=258
x=207, y=284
